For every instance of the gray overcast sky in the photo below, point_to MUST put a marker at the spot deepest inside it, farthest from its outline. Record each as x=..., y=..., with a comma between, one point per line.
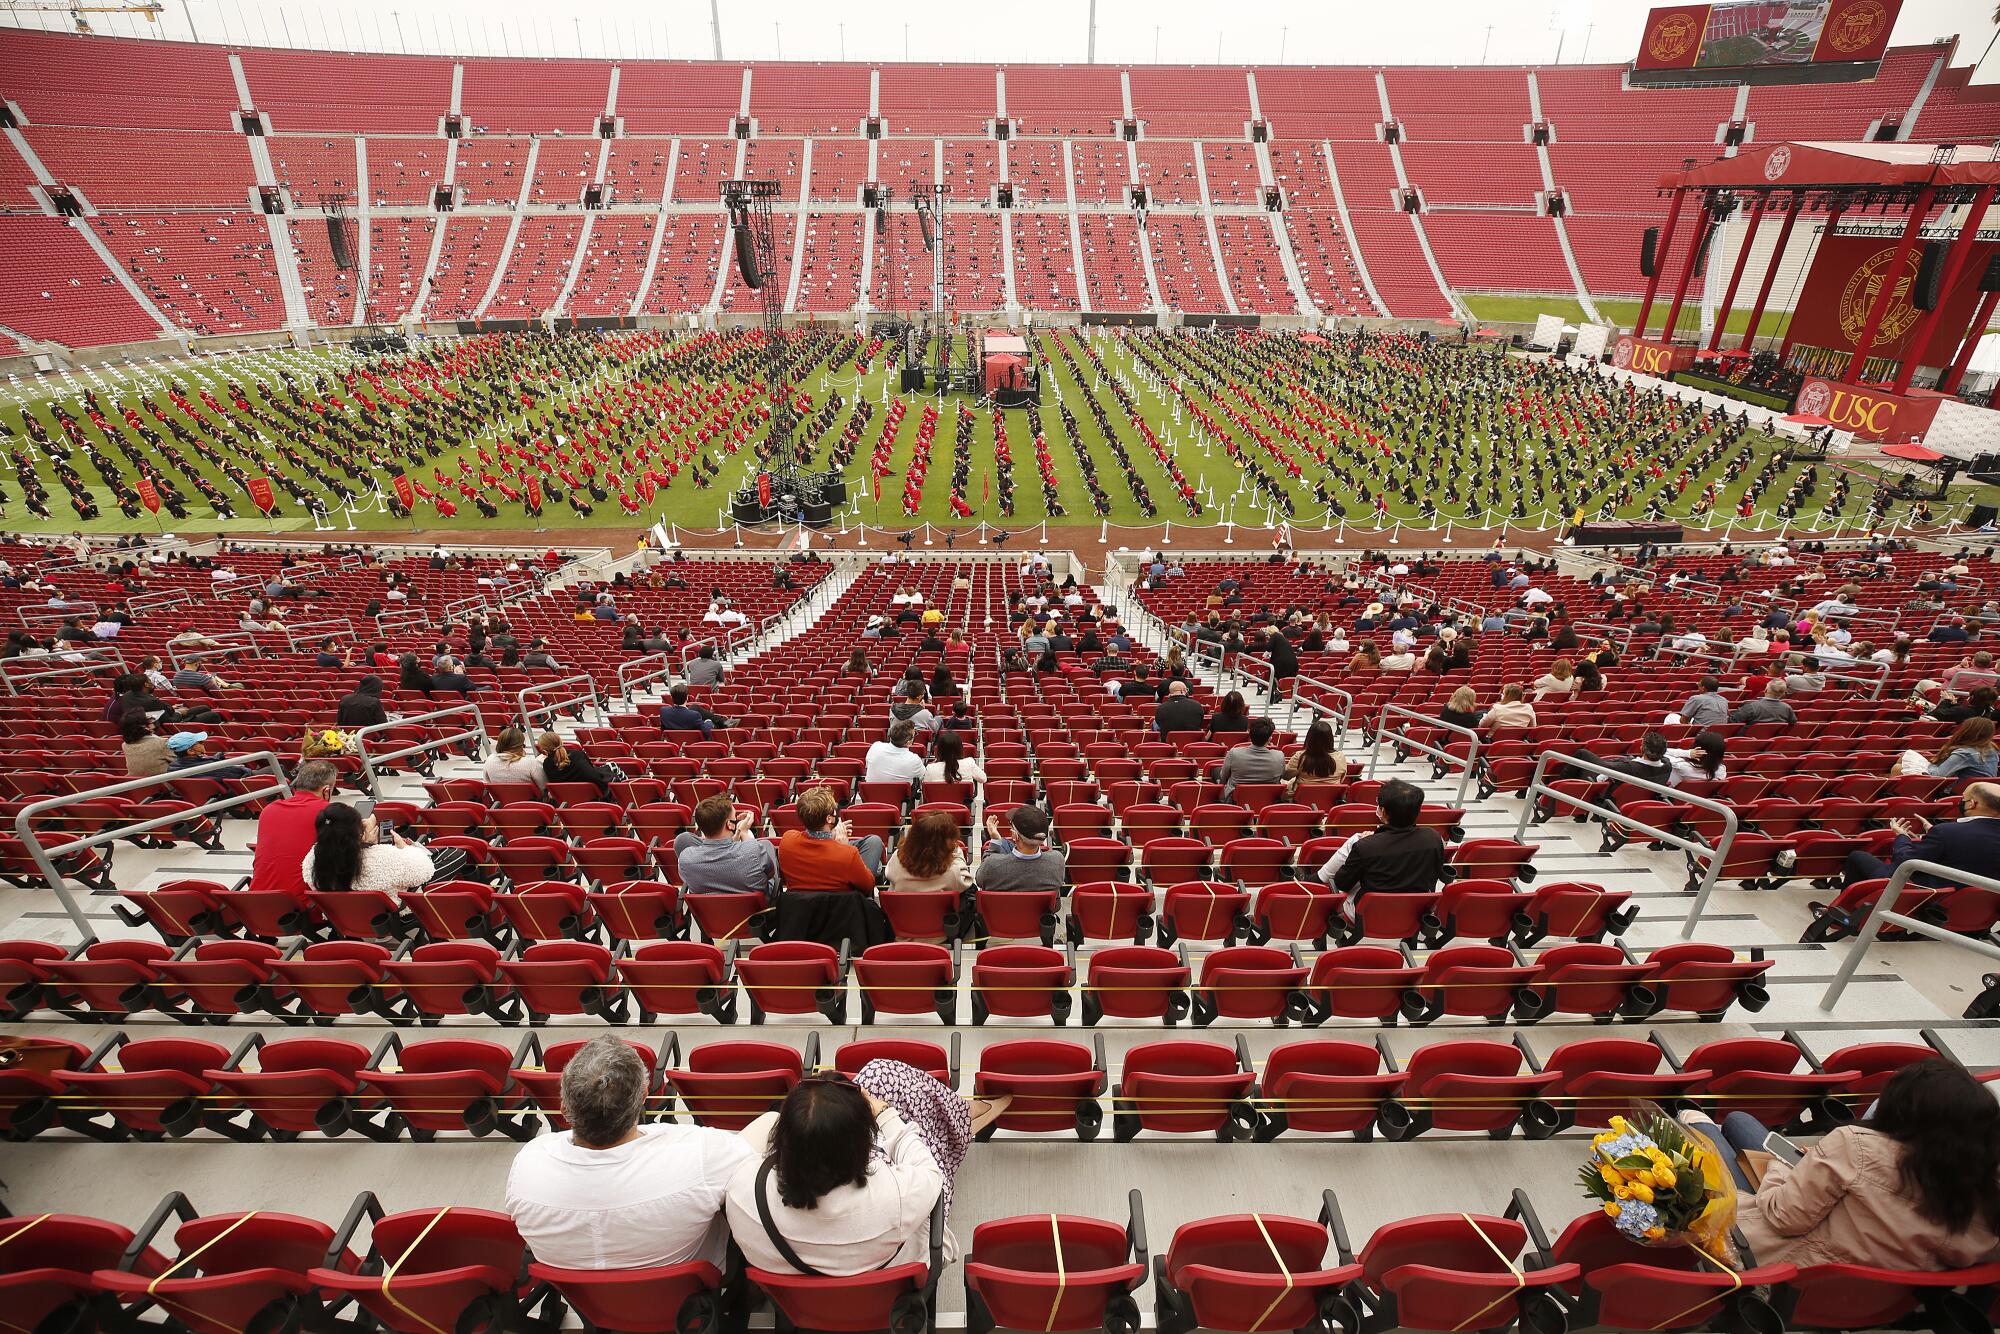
x=1129, y=31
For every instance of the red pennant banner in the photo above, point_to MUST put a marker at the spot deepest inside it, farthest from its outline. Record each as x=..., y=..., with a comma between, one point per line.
x=405, y=492
x=534, y=492
x=764, y=489
x=149, y=495
x=260, y=494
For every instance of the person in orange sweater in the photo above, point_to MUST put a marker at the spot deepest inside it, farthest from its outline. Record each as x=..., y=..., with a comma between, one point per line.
x=823, y=855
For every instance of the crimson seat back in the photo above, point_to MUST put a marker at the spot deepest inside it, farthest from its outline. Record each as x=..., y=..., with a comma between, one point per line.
x=1051, y=1272
x=1136, y=982
x=659, y=1300
x=1049, y=1081
x=424, y=1271
x=728, y=1085
x=1324, y=1087
x=1255, y=1272
x=1184, y=1088
x=1454, y=1272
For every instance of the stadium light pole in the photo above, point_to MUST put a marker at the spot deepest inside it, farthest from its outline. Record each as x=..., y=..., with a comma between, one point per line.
x=188, y=14
x=1090, y=38
x=715, y=26
x=1489, y=44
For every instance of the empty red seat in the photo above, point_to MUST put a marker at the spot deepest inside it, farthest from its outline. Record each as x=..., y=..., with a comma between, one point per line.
x=1017, y=914
x=426, y=1268
x=662, y=1299
x=1625, y=1285
x=905, y=978
x=152, y=1077
x=1294, y=910
x=728, y=1085
x=1361, y=982
x=1862, y=1297
x=565, y=977
x=1324, y=1087
x=1470, y=1086
x=1458, y=1272
x=111, y=978
x=48, y=1267
x=1707, y=979
x=1055, y=1085
x=1254, y=1272
x=450, y=977
x=1601, y=981
x=1055, y=1272
x=233, y=1272
x=1022, y=982
x=211, y=980
x=443, y=1085
x=1137, y=982
x=1761, y=1076
x=795, y=977
x=679, y=977
x=1185, y=1088
x=1601, y=1078
x=178, y=909
x=296, y=1085
x=731, y=916
x=30, y=1083
x=1470, y=981
x=1576, y=911
x=1250, y=982
x=1106, y=910
x=1205, y=910
x=330, y=978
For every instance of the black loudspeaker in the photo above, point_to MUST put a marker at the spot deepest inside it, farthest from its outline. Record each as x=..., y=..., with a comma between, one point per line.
x=1701, y=256
x=746, y=258
x=1989, y=281
x=1649, y=243
x=336, y=240
x=1982, y=515
x=1924, y=293
x=924, y=221
x=912, y=380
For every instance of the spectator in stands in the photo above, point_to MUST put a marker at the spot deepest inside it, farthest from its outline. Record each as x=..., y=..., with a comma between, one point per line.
x=363, y=708
x=858, y=664
x=1706, y=707
x=513, y=762
x=1978, y=703
x=1968, y=753
x=943, y=685
x=1254, y=762
x=1462, y=710
x=331, y=655
x=1284, y=658
x=1318, y=762
x=723, y=854
x=1949, y=630
x=538, y=658
x=706, y=669
x=1701, y=762
x=452, y=679
x=681, y=716
x=411, y=676
x=1511, y=711
x=1649, y=764
x=1808, y=680
x=1179, y=712
x=930, y=856
x=190, y=749
x=348, y=854
x=948, y=763
x=1915, y=1186
x=822, y=854
x=1367, y=657
x=286, y=829
x=1022, y=859
x=914, y=706
x=146, y=753
x=1970, y=843
x=855, y=1182
x=892, y=760
x=1769, y=708
x=1590, y=677
x=565, y=762
x=1399, y=857
x=1233, y=716
x=1138, y=687
x=192, y=678
x=611, y=1193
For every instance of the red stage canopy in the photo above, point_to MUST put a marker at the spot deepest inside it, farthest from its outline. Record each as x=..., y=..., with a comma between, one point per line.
x=1812, y=164
x=1914, y=452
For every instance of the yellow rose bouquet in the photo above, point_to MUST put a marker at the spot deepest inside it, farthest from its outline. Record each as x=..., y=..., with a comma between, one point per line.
x=320, y=743
x=1662, y=1183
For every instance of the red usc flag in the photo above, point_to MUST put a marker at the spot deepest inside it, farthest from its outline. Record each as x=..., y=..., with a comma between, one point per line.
x=149, y=495
x=534, y=492
x=404, y=491
x=260, y=493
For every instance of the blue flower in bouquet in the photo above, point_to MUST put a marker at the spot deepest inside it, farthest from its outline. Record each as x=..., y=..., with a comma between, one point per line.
x=1636, y=1219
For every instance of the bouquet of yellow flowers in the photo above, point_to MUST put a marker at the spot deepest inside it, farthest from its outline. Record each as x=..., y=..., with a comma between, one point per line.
x=323, y=743
x=1662, y=1183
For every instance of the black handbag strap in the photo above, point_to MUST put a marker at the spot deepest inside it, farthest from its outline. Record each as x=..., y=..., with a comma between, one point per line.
x=771, y=1229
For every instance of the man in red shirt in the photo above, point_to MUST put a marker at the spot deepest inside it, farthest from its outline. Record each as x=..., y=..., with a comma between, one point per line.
x=285, y=830
x=820, y=857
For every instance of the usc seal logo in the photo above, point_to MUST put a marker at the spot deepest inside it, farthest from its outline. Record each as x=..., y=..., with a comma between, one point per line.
x=1858, y=27
x=1778, y=163
x=1865, y=284
x=1815, y=399
x=1675, y=35
x=1621, y=355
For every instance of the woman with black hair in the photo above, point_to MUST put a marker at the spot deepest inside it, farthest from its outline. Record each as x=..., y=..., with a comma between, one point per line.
x=146, y=753
x=943, y=684
x=411, y=676
x=348, y=854
x=1233, y=716
x=1914, y=1186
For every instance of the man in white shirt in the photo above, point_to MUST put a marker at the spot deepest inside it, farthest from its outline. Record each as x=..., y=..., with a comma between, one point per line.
x=1535, y=597
x=893, y=761
x=609, y=1193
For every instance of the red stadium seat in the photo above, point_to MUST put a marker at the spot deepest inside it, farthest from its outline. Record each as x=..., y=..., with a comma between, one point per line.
x=1056, y=1272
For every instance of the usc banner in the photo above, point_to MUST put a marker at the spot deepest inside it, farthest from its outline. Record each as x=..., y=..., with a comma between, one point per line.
x=1848, y=273
x=1766, y=33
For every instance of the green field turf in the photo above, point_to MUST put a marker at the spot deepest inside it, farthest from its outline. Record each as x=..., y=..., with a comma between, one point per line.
x=681, y=503
x=1524, y=309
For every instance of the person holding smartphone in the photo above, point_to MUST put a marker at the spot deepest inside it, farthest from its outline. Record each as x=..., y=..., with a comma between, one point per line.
x=726, y=856
x=351, y=850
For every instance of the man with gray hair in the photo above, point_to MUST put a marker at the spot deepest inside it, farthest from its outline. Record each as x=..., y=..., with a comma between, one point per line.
x=892, y=760
x=611, y=1193
x=285, y=830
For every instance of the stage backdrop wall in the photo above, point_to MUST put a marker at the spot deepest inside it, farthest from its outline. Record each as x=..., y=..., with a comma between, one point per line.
x=1846, y=276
